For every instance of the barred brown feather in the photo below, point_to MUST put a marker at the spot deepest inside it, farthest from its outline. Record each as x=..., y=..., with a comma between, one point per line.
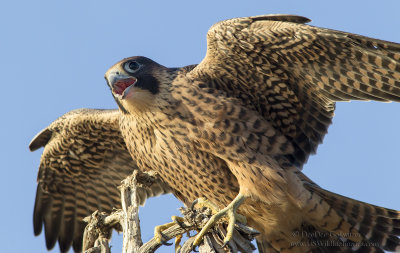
x=294, y=73
x=83, y=162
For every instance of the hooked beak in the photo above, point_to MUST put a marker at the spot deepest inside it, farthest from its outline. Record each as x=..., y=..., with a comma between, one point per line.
x=120, y=84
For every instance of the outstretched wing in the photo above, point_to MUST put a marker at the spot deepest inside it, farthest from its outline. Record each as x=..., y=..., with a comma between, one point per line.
x=83, y=162
x=292, y=74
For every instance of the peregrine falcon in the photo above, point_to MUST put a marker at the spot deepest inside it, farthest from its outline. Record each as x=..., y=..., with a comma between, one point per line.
x=236, y=129
x=250, y=114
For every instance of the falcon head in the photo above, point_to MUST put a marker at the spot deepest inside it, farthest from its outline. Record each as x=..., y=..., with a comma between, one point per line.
x=135, y=82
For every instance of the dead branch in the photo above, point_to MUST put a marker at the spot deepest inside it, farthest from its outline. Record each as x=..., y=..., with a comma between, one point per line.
x=130, y=222
x=97, y=234
x=98, y=231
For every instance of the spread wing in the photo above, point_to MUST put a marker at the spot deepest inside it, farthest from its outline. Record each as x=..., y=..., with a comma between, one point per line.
x=292, y=74
x=83, y=162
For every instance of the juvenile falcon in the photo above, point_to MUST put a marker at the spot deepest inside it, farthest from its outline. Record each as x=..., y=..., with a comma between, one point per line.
x=253, y=110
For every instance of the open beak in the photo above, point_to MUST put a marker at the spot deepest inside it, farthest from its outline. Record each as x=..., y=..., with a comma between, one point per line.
x=120, y=84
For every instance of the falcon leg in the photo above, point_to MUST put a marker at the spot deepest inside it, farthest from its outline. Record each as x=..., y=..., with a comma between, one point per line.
x=159, y=237
x=204, y=202
x=178, y=240
x=229, y=210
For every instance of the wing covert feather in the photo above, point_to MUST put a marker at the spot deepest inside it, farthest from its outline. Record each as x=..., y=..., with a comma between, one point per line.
x=292, y=73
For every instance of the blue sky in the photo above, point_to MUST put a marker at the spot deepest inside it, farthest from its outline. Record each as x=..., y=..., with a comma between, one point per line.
x=53, y=56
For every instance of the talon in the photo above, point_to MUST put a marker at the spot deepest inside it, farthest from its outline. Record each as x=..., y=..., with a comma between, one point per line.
x=166, y=243
x=179, y=220
x=225, y=244
x=159, y=237
x=194, y=248
x=178, y=239
x=229, y=211
x=193, y=204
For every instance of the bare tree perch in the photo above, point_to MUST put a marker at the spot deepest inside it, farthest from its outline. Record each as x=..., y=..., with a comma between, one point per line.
x=132, y=239
x=97, y=233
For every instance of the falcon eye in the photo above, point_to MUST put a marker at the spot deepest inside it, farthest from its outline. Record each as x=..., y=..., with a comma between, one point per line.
x=132, y=66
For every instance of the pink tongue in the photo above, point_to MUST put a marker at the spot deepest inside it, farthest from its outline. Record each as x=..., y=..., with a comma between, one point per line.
x=121, y=85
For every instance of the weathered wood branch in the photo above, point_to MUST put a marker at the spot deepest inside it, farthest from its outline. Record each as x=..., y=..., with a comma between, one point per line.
x=132, y=239
x=98, y=231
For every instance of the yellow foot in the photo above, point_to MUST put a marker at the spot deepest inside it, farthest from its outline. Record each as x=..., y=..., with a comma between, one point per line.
x=159, y=237
x=204, y=202
x=229, y=210
x=178, y=240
